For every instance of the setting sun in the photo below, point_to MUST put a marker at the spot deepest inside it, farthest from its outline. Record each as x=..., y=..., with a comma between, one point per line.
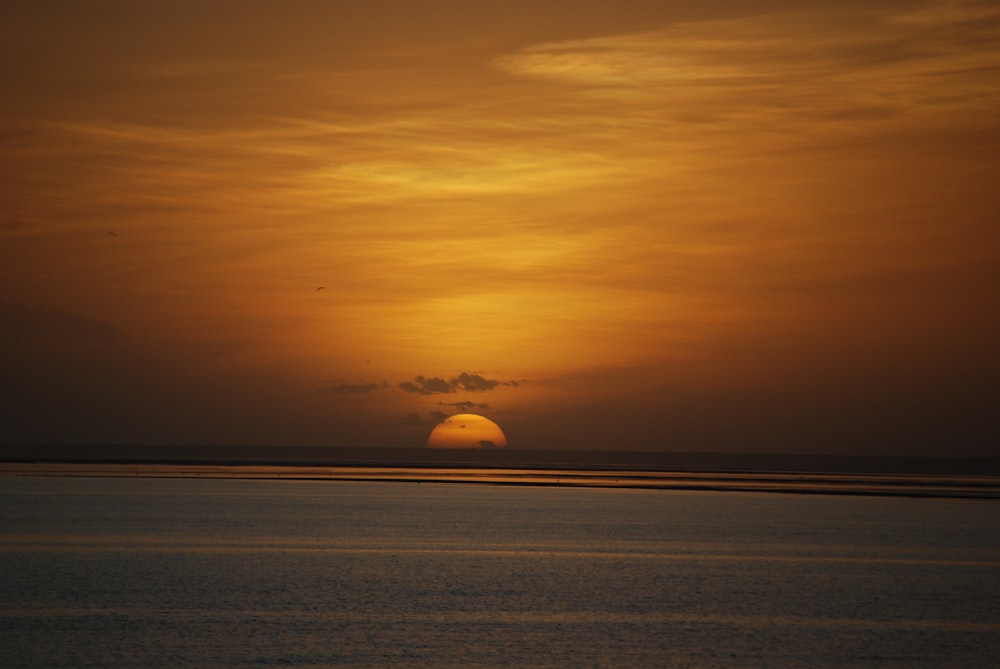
x=467, y=430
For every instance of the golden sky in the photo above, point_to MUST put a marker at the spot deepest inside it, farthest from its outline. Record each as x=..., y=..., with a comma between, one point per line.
x=626, y=224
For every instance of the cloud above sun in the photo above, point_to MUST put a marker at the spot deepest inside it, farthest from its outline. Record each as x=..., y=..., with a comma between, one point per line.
x=464, y=382
x=466, y=406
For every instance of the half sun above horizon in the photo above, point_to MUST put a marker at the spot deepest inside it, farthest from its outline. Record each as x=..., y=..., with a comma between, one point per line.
x=467, y=430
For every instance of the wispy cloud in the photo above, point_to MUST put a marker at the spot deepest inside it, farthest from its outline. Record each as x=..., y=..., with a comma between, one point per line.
x=800, y=66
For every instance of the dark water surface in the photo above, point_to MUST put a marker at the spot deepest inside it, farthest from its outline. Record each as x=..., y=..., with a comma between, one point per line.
x=249, y=573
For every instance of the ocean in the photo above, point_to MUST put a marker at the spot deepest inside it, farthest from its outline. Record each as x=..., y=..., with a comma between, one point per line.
x=198, y=572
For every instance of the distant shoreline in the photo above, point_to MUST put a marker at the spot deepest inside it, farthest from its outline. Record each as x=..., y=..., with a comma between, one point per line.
x=882, y=485
x=967, y=478
x=580, y=460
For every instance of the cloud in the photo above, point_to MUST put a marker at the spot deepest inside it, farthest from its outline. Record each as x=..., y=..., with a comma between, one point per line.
x=19, y=322
x=789, y=66
x=353, y=388
x=426, y=385
x=464, y=382
x=465, y=406
x=474, y=382
x=423, y=385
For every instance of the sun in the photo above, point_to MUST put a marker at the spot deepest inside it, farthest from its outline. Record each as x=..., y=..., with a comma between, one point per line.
x=467, y=430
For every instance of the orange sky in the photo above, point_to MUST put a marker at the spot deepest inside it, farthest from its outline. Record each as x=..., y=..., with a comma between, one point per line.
x=626, y=224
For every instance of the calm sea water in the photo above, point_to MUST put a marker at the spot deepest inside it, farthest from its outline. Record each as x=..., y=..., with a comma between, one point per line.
x=241, y=573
